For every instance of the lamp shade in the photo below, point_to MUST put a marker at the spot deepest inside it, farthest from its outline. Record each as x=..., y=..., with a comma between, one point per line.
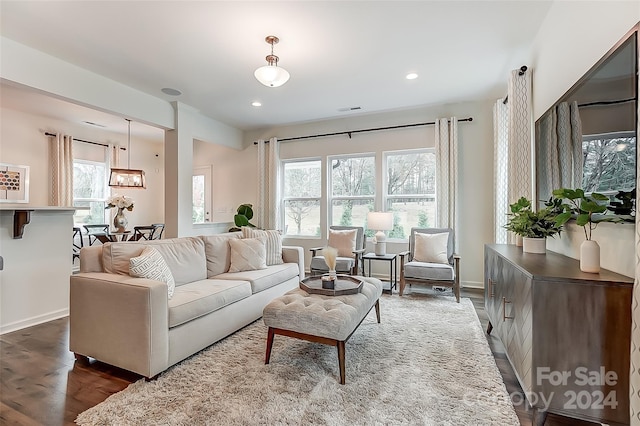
x=272, y=75
x=380, y=221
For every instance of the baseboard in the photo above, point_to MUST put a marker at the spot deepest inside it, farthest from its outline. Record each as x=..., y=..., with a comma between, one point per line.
x=29, y=322
x=472, y=284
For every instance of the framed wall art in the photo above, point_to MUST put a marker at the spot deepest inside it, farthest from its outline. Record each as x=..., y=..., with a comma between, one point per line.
x=14, y=183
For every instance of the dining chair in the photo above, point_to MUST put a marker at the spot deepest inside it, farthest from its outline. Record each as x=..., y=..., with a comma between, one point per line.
x=431, y=260
x=94, y=230
x=77, y=233
x=150, y=232
x=350, y=242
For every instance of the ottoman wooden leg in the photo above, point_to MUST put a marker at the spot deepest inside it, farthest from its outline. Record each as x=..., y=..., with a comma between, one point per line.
x=341, y=361
x=270, y=334
x=378, y=310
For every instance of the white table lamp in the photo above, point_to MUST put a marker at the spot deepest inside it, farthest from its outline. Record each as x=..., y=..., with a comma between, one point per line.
x=380, y=221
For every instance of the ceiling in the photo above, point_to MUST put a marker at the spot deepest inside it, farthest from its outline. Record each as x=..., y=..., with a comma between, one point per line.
x=340, y=54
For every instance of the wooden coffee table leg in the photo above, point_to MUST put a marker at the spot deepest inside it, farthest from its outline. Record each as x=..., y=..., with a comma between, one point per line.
x=341, y=361
x=378, y=310
x=270, y=334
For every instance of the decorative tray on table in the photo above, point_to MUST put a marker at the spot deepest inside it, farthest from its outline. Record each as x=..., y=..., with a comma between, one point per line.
x=342, y=285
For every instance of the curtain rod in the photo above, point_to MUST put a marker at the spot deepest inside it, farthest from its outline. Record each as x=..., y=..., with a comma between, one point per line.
x=619, y=101
x=349, y=133
x=83, y=141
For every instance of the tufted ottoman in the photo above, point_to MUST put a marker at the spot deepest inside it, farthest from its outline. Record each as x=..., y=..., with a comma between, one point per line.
x=330, y=320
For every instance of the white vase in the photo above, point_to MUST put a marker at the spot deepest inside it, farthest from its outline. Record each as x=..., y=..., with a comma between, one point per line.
x=534, y=245
x=590, y=256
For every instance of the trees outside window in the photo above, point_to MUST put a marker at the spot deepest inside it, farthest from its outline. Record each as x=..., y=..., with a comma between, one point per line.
x=352, y=189
x=301, y=197
x=410, y=190
x=89, y=191
x=609, y=163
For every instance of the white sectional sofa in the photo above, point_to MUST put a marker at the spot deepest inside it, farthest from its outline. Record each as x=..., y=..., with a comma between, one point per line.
x=132, y=323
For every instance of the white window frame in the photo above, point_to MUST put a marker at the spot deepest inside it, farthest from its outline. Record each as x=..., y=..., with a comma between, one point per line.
x=385, y=182
x=285, y=199
x=105, y=189
x=331, y=198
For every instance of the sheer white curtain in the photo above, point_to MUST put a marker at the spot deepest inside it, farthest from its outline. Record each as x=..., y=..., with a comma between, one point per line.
x=446, y=132
x=513, y=144
x=500, y=169
x=268, y=208
x=61, y=170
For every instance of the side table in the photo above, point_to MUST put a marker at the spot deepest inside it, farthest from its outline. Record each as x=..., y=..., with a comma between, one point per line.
x=393, y=268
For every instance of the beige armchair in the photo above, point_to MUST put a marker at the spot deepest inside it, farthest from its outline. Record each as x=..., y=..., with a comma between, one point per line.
x=431, y=260
x=350, y=242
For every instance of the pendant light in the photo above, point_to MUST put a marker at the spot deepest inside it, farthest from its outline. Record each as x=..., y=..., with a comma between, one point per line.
x=272, y=75
x=127, y=178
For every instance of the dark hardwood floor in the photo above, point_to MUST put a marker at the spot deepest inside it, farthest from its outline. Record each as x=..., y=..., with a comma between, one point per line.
x=42, y=384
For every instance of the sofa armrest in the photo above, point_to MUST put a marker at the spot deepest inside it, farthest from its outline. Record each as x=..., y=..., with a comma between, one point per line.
x=120, y=320
x=294, y=254
x=91, y=259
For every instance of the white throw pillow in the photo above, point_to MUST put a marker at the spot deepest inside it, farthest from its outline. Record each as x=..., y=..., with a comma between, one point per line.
x=344, y=240
x=151, y=265
x=248, y=254
x=273, y=243
x=431, y=248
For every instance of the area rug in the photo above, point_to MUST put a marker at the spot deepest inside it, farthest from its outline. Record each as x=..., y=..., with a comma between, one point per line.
x=426, y=363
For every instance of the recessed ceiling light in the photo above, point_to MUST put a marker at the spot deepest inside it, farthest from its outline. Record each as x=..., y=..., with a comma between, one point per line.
x=256, y=104
x=171, y=92
x=412, y=76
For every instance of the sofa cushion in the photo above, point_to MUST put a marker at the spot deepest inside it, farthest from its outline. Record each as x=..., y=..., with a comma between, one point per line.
x=263, y=279
x=185, y=257
x=199, y=298
x=248, y=254
x=218, y=252
x=151, y=265
x=273, y=243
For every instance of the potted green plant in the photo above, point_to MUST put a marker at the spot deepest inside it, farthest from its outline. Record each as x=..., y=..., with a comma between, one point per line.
x=533, y=227
x=242, y=217
x=588, y=210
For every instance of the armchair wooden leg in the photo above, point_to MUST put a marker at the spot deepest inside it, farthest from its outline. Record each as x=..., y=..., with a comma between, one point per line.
x=402, y=285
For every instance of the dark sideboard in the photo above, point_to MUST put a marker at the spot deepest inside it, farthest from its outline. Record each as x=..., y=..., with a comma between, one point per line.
x=566, y=332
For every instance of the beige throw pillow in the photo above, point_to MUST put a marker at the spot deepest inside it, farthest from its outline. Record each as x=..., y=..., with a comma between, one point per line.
x=431, y=248
x=273, y=243
x=344, y=240
x=151, y=265
x=247, y=254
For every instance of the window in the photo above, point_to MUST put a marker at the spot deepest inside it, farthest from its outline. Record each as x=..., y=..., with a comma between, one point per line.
x=410, y=190
x=609, y=162
x=202, y=194
x=89, y=191
x=352, y=190
x=301, y=197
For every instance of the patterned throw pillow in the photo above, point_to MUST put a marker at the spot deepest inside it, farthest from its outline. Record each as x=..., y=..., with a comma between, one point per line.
x=431, y=248
x=344, y=240
x=273, y=243
x=151, y=265
x=247, y=254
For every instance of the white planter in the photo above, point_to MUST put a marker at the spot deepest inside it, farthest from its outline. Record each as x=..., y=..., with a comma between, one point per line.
x=518, y=240
x=534, y=245
x=590, y=256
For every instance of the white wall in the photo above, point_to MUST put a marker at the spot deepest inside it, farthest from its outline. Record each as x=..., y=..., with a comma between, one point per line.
x=22, y=141
x=573, y=37
x=475, y=165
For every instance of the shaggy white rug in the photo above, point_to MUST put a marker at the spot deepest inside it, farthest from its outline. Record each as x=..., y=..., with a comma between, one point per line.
x=427, y=363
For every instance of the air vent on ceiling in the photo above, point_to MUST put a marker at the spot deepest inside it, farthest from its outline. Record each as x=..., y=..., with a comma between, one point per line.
x=91, y=123
x=347, y=109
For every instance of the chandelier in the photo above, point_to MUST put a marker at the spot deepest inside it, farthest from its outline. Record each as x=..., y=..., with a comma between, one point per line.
x=272, y=75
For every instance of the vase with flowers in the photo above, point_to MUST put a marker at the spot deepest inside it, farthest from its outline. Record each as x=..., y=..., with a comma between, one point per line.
x=122, y=203
x=330, y=257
